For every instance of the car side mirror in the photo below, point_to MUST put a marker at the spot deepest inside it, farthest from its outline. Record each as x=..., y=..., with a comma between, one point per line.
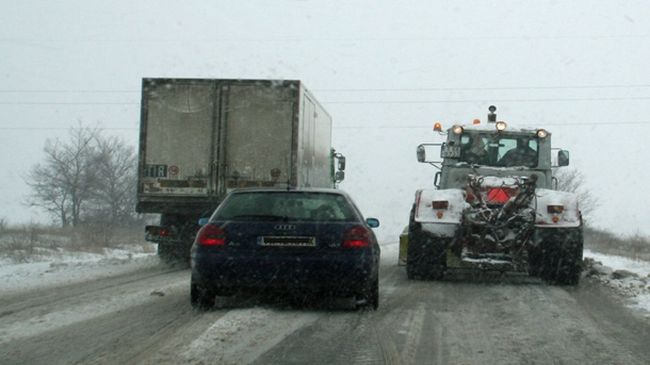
x=203, y=221
x=339, y=176
x=373, y=222
x=563, y=158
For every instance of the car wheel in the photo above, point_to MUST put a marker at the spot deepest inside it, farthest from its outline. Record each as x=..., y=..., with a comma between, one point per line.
x=200, y=297
x=372, y=294
x=368, y=297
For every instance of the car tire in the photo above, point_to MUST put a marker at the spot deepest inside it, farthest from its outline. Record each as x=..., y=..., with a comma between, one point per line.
x=372, y=298
x=368, y=297
x=201, y=298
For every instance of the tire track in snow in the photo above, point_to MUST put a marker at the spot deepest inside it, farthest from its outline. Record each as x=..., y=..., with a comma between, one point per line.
x=242, y=335
x=415, y=322
x=49, y=296
x=73, y=309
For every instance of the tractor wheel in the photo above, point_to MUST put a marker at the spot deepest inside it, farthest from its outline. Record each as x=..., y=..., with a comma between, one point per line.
x=561, y=262
x=426, y=256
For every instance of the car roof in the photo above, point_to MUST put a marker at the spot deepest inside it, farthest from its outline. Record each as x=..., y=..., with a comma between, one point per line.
x=288, y=190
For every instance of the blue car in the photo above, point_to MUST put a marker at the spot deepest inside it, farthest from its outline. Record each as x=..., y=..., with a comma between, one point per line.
x=312, y=240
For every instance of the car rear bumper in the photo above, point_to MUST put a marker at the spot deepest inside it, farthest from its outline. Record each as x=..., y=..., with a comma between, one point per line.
x=340, y=271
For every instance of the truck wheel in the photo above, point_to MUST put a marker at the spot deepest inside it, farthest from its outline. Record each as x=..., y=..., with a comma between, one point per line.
x=186, y=227
x=165, y=252
x=201, y=298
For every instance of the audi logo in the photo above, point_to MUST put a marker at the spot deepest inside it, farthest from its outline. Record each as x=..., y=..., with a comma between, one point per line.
x=285, y=227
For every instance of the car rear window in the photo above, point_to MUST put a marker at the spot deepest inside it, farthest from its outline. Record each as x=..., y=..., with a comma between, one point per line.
x=286, y=205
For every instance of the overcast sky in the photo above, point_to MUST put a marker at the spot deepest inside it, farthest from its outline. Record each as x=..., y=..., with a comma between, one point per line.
x=385, y=71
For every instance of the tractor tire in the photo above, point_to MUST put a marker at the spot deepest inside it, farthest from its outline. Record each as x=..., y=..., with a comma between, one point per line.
x=561, y=257
x=426, y=256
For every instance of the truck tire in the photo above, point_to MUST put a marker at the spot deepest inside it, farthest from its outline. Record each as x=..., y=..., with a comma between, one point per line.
x=201, y=297
x=179, y=250
x=561, y=257
x=165, y=252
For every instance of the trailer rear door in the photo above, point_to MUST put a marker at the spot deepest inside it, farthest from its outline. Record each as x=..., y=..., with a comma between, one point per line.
x=257, y=134
x=178, y=137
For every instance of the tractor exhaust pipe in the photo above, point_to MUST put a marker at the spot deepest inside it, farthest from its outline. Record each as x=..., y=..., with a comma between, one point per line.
x=492, y=117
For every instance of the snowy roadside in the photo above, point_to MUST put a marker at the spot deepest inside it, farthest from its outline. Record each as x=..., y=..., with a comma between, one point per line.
x=627, y=277
x=76, y=267
x=630, y=278
x=72, y=267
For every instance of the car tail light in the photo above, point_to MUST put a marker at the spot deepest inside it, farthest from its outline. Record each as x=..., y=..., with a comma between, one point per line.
x=211, y=235
x=356, y=237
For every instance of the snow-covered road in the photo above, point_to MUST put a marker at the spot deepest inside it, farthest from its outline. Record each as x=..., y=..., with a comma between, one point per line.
x=133, y=310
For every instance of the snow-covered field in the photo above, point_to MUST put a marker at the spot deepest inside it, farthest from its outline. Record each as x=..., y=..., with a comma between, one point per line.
x=72, y=267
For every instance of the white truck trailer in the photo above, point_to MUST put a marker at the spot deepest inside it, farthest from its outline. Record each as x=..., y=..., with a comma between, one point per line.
x=201, y=138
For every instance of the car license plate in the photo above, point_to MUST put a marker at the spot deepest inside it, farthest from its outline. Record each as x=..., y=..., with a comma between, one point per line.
x=287, y=241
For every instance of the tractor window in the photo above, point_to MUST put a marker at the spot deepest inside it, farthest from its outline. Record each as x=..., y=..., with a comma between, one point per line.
x=474, y=149
x=520, y=151
x=498, y=150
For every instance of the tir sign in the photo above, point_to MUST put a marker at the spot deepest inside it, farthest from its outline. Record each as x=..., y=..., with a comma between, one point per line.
x=155, y=171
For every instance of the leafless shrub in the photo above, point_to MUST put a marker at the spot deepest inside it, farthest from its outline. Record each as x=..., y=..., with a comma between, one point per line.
x=32, y=242
x=635, y=247
x=20, y=246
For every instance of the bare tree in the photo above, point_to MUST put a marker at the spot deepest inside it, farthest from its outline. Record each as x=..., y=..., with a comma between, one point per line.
x=115, y=166
x=572, y=180
x=64, y=181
